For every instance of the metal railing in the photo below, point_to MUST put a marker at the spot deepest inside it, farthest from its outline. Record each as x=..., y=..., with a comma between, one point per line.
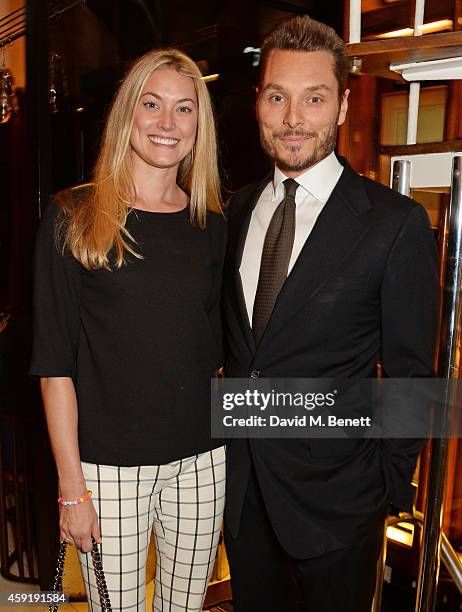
x=13, y=25
x=435, y=545
x=451, y=559
x=448, y=367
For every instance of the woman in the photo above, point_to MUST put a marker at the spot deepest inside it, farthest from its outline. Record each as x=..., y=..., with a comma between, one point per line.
x=127, y=336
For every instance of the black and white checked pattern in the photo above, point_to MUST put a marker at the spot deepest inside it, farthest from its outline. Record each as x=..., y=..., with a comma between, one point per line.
x=183, y=503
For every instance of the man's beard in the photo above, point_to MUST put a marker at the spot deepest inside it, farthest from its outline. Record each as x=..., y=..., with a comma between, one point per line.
x=292, y=161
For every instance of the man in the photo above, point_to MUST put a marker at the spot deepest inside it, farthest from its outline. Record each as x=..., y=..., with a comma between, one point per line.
x=327, y=274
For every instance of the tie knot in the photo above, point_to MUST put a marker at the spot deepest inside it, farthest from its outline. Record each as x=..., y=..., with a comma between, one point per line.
x=291, y=187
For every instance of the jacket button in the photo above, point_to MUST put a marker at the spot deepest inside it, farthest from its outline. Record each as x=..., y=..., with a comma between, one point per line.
x=255, y=374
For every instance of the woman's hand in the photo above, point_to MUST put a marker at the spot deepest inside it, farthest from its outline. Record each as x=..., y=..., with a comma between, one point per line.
x=78, y=524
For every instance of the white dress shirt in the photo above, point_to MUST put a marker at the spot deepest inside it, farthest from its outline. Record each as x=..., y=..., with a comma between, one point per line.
x=316, y=186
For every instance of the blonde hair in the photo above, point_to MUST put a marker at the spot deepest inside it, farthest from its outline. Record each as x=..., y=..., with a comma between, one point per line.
x=96, y=225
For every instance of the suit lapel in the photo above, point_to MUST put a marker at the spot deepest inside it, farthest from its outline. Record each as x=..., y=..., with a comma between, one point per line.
x=240, y=229
x=339, y=228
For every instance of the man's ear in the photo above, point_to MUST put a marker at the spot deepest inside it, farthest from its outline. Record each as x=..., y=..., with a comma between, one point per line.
x=257, y=95
x=343, y=107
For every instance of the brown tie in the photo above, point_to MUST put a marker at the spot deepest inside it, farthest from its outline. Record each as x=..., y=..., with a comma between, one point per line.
x=275, y=258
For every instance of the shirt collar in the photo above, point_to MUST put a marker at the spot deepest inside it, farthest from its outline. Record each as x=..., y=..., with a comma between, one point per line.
x=319, y=180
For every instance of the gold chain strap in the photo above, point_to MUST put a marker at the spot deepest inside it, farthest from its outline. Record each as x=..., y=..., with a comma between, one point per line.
x=99, y=575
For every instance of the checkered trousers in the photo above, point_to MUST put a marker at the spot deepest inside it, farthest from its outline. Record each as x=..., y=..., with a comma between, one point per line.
x=183, y=503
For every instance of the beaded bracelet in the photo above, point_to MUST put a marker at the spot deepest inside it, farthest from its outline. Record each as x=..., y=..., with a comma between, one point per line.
x=74, y=502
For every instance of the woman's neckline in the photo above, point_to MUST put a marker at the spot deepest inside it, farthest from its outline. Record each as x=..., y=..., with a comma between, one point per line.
x=158, y=212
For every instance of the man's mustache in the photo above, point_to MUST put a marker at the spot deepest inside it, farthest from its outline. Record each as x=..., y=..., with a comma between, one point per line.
x=296, y=133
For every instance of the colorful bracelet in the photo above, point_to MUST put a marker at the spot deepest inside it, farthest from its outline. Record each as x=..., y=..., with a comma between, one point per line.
x=74, y=502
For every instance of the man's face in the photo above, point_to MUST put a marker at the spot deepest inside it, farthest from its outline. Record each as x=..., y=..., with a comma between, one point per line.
x=298, y=109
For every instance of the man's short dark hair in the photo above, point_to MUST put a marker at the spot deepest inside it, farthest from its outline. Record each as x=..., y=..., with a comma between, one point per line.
x=305, y=34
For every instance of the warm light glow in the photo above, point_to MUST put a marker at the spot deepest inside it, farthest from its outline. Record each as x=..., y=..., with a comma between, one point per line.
x=396, y=33
x=210, y=77
x=79, y=110
x=402, y=533
x=426, y=28
x=436, y=26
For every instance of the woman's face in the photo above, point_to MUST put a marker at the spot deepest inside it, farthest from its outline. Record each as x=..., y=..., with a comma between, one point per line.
x=165, y=120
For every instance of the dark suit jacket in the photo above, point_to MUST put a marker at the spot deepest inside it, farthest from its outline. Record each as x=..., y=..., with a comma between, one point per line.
x=363, y=289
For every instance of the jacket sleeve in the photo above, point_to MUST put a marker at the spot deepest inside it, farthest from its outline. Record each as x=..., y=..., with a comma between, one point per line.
x=57, y=290
x=409, y=300
x=409, y=316
x=218, y=237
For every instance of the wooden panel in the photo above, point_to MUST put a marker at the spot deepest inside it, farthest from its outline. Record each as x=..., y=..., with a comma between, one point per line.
x=428, y=147
x=454, y=106
x=358, y=142
x=397, y=15
x=218, y=593
x=394, y=112
x=377, y=55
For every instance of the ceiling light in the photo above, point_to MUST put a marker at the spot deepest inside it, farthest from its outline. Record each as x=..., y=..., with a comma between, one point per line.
x=256, y=53
x=210, y=77
x=402, y=533
x=426, y=28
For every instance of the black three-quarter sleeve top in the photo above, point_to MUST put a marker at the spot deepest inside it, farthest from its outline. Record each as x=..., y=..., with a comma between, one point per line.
x=141, y=342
